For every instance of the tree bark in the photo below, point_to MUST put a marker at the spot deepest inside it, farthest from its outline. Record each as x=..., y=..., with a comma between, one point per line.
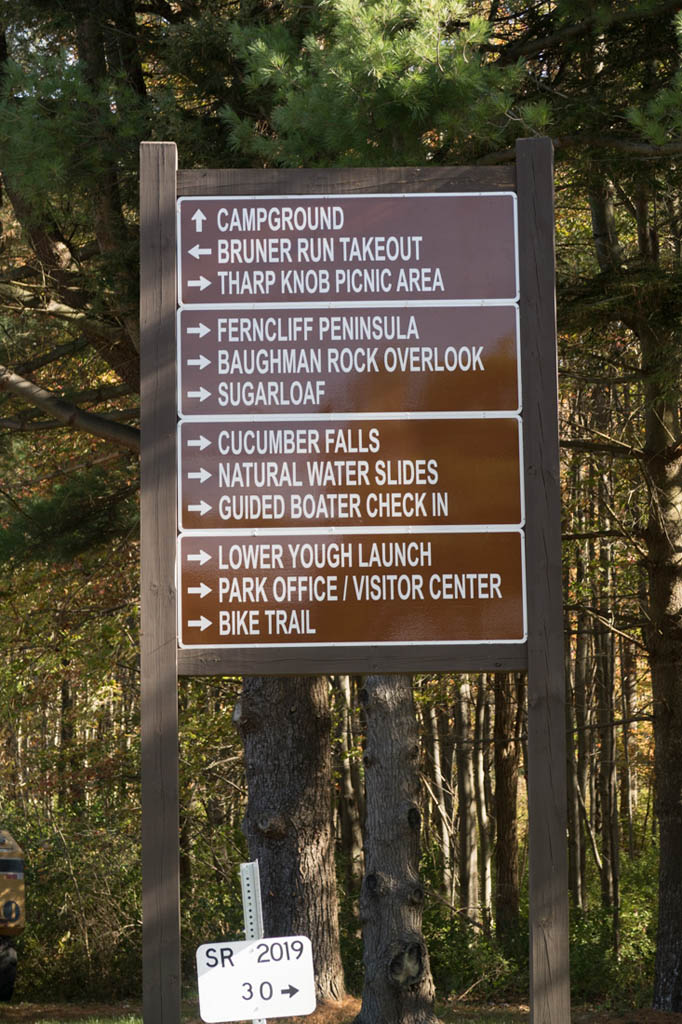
x=398, y=987
x=466, y=813
x=285, y=727
x=348, y=803
x=434, y=762
x=663, y=466
x=484, y=848
x=506, y=784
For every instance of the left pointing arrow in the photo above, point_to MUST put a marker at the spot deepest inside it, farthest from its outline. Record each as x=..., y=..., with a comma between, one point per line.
x=202, y=623
x=197, y=251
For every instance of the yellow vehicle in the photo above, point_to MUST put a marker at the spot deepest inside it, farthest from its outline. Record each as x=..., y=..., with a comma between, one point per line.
x=12, y=910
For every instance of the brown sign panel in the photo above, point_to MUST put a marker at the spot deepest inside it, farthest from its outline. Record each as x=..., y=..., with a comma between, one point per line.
x=312, y=589
x=347, y=359
x=346, y=473
x=404, y=248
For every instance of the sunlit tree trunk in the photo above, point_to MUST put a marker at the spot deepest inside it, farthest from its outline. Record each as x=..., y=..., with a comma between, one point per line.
x=398, y=987
x=285, y=726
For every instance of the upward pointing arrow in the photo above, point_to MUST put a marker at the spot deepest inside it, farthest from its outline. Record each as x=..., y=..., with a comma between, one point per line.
x=199, y=217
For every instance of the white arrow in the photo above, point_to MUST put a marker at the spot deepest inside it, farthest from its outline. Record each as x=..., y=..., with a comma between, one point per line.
x=202, y=475
x=202, y=591
x=198, y=442
x=202, y=394
x=202, y=623
x=202, y=330
x=197, y=251
x=203, y=507
x=199, y=217
x=201, y=558
x=202, y=362
x=201, y=283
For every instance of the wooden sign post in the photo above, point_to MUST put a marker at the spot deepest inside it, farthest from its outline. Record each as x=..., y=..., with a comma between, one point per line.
x=349, y=402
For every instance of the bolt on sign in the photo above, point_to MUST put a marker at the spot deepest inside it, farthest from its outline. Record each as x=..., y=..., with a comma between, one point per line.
x=349, y=391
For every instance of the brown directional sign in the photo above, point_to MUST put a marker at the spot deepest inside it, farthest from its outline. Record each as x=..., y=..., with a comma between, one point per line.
x=369, y=248
x=345, y=359
x=340, y=473
x=347, y=589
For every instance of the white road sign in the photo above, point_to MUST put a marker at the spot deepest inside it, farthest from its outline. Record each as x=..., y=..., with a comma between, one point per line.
x=259, y=978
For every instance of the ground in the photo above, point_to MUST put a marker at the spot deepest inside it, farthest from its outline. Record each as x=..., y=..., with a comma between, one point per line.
x=342, y=1013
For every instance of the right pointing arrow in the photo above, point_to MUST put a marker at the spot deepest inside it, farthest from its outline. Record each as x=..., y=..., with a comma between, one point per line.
x=202, y=330
x=291, y=991
x=200, y=283
x=201, y=557
x=202, y=623
x=202, y=362
x=198, y=442
x=203, y=507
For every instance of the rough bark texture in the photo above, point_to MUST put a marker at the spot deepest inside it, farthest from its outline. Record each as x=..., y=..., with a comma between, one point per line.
x=285, y=726
x=506, y=784
x=664, y=642
x=398, y=987
x=348, y=799
x=485, y=845
x=466, y=811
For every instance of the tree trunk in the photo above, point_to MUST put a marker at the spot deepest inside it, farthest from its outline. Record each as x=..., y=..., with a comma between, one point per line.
x=506, y=784
x=628, y=791
x=466, y=812
x=663, y=465
x=349, y=809
x=434, y=763
x=285, y=726
x=398, y=987
x=481, y=742
x=582, y=718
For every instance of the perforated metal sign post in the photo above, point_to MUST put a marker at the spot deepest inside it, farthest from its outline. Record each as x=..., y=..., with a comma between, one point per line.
x=349, y=404
x=252, y=903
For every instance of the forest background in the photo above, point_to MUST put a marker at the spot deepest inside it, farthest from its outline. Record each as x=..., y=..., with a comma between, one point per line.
x=266, y=84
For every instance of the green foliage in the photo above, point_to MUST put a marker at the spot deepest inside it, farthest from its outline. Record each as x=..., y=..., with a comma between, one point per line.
x=378, y=83
x=598, y=972
x=659, y=119
x=83, y=933
x=86, y=510
x=464, y=959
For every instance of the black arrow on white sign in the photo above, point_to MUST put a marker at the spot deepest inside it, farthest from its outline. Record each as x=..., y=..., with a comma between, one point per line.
x=291, y=991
